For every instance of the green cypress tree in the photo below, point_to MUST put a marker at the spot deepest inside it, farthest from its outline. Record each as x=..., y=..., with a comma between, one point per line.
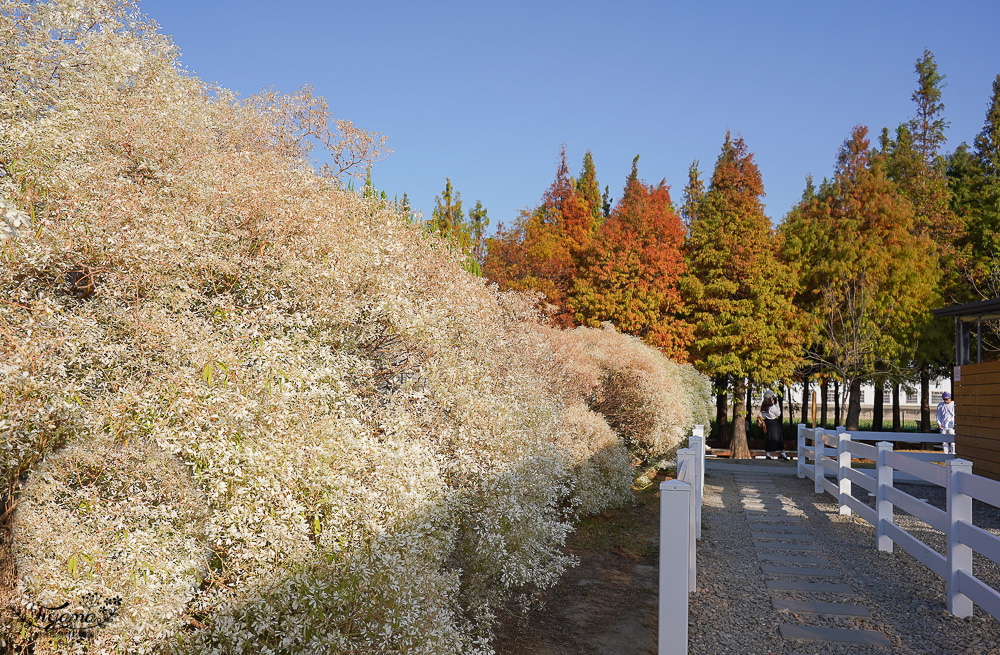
x=867, y=278
x=975, y=181
x=987, y=143
x=694, y=193
x=478, y=222
x=745, y=325
x=588, y=189
x=931, y=198
x=448, y=218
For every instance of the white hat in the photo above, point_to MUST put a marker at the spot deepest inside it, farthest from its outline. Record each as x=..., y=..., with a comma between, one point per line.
x=768, y=393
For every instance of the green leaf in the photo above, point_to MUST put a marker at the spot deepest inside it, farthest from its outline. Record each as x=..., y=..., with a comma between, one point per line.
x=207, y=373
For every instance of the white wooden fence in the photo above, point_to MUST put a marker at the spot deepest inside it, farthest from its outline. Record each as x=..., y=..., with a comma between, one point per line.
x=831, y=452
x=680, y=527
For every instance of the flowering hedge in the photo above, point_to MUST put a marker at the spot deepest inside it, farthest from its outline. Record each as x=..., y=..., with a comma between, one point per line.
x=242, y=408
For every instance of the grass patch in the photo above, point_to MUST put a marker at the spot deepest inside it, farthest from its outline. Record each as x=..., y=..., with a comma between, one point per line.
x=625, y=530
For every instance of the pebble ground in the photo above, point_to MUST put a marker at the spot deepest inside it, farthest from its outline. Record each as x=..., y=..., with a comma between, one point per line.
x=765, y=533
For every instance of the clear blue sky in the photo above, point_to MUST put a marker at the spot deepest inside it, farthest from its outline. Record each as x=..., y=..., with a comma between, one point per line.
x=486, y=92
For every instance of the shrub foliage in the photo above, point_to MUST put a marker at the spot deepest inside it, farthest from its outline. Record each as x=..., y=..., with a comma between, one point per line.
x=246, y=409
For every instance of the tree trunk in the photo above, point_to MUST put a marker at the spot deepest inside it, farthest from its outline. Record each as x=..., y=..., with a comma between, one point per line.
x=925, y=398
x=896, y=424
x=825, y=392
x=738, y=447
x=722, y=410
x=805, y=400
x=854, y=405
x=836, y=403
x=878, y=404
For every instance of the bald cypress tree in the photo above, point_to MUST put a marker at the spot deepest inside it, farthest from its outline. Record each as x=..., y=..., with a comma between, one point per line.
x=740, y=293
x=923, y=180
x=865, y=274
x=589, y=190
x=694, y=193
x=981, y=174
x=630, y=273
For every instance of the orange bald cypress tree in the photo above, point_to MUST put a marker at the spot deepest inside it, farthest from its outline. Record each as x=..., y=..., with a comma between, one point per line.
x=543, y=250
x=629, y=275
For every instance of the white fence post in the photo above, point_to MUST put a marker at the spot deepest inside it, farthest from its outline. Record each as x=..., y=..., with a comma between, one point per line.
x=883, y=508
x=959, y=555
x=675, y=501
x=819, y=452
x=843, y=463
x=687, y=461
x=697, y=444
x=800, y=468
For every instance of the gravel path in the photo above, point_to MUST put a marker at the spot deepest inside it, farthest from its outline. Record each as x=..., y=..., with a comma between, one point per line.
x=732, y=611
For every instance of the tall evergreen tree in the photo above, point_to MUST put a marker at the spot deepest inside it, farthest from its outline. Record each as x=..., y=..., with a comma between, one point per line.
x=589, y=190
x=478, y=222
x=975, y=183
x=745, y=324
x=987, y=142
x=462, y=233
x=927, y=188
x=694, y=193
x=984, y=217
x=864, y=272
x=448, y=218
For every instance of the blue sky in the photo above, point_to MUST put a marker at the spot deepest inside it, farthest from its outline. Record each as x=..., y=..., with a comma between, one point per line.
x=486, y=92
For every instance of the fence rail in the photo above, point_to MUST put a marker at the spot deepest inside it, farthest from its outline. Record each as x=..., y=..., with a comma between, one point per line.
x=832, y=451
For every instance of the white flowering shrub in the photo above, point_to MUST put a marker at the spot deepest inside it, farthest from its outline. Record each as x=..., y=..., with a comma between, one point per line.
x=649, y=400
x=11, y=220
x=244, y=410
x=241, y=409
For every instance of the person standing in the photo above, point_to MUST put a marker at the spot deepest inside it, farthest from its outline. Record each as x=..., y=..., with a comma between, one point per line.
x=946, y=421
x=770, y=413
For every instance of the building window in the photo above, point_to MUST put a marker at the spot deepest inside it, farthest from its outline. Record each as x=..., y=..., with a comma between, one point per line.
x=936, y=397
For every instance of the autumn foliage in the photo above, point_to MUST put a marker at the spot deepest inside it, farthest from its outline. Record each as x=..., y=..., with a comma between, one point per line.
x=623, y=269
x=629, y=276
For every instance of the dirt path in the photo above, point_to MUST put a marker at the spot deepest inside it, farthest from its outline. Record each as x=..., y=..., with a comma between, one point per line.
x=607, y=604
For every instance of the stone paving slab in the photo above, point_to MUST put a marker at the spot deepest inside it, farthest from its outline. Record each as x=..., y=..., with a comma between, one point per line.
x=805, y=571
x=783, y=528
x=786, y=546
x=842, y=635
x=817, y=607
x=786, y=536
x=800, y=559
x=798, y=585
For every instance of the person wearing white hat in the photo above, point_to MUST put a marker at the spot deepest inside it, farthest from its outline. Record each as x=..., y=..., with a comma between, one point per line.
x=946, y=421
x=770, y=412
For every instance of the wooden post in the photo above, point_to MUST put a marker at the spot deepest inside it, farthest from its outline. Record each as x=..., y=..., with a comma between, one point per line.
x=819, y=449
x=800, y=462
x=672, y=631
x=883, y=508
x=698, y=445
x=843, y=463
x=959, y=555
x=688, y=458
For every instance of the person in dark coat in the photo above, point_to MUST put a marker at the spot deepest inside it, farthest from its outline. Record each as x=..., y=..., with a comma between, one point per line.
x=770, y=413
